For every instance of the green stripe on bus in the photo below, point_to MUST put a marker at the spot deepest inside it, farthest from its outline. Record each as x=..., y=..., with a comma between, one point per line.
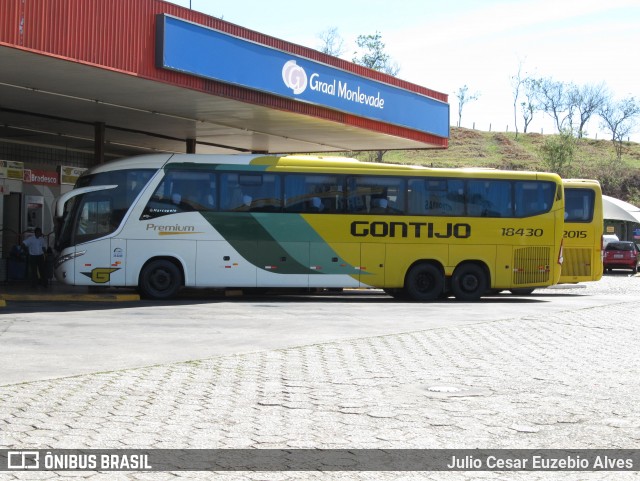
x=266, y=239
x=294, y=228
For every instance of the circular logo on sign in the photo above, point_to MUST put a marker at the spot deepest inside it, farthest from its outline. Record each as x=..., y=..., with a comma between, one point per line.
x=294, y=77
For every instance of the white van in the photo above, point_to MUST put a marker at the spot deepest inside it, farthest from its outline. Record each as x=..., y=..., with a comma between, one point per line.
x=609, y=238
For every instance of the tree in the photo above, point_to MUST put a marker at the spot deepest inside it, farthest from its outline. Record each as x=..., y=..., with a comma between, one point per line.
x=516, y=84
x=528, y=106
x=332, y=42
x=373, y=56
x=588, y=99
x=554, y=99
x=464, y=97
x=619, y=118
x=557, y=152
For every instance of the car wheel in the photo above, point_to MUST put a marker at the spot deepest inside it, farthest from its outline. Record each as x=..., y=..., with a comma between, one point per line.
x=160, y=279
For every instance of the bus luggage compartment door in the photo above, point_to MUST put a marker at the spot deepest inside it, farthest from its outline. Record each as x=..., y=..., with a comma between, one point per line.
x=334, y=265
x=282, y=264
x=372, y=265
x=220, y=264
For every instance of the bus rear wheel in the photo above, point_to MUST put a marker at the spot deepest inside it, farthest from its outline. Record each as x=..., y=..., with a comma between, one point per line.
x=424, y=282
x=160, y=279
x=469, y=282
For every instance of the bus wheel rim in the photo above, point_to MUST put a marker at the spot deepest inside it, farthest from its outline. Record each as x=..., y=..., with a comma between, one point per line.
x=469, y=283
x=160, y=279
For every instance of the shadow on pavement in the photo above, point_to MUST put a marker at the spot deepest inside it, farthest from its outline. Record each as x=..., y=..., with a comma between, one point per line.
x=74, y=299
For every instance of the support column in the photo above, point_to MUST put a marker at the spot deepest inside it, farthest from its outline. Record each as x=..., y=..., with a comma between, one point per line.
x=191, y=146
x=98, y=142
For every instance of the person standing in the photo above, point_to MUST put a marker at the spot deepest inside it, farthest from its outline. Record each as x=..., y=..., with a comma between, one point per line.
x=36, y=247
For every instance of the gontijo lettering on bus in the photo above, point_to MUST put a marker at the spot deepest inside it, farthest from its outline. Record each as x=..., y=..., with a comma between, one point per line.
x=417, y=230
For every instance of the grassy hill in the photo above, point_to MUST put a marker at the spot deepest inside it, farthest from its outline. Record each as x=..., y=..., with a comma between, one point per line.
x=593, y=159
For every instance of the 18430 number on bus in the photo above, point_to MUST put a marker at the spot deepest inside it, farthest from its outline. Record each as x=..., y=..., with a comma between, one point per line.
x=522, y=232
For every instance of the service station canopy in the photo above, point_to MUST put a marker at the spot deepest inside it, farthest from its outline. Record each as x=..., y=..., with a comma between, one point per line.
x=54, y=102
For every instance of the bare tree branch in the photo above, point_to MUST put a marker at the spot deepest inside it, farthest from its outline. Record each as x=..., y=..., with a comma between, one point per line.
x=464, y=97
x=332, y=42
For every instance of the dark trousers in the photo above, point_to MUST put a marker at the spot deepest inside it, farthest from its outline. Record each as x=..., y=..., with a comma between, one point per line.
x=37, y=271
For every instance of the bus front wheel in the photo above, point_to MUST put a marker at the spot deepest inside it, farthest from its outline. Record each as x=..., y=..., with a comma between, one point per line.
x=469, y=282
x=424, y=282
x=160, y=279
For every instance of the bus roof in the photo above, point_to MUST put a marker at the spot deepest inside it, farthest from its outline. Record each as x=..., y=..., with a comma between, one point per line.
x=308, y=163
x=579, y=182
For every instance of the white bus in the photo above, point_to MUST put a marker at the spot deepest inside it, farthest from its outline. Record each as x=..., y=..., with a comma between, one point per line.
x=164, y=221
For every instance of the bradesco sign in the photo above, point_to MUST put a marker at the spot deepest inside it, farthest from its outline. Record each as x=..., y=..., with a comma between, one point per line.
x=201, y=51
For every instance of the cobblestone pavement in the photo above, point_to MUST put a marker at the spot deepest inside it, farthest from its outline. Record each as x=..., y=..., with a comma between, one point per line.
x=568, y=380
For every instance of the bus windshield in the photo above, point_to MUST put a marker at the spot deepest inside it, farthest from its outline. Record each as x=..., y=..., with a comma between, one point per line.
x=579, y=204
x=92, y=215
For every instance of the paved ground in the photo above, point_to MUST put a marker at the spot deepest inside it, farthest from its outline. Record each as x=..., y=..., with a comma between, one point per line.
x=564, y=379
x=50, y=339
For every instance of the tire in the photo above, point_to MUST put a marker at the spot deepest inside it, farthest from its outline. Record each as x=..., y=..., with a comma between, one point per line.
x=525, y=291
x=424, y=282
x=469, y=282
x=160, y=279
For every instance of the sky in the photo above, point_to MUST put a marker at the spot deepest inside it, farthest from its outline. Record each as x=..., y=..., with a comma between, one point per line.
x=478, y=43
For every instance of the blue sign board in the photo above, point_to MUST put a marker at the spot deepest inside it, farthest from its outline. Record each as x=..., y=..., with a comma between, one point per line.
x=197, y=50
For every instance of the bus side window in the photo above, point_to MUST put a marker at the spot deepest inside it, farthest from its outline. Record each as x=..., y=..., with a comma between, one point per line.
x=294, y=193
x=202, y=195
x=533, y=197
x=266, y=195
x=356, y=203
x=436, y=197
x=182, y=191
x=376, y=194
x=416, y=196
x=161, y=202
x=243, y=192
x=489, y=198
x=233, y=197
x=315, y=193
x=436, y=201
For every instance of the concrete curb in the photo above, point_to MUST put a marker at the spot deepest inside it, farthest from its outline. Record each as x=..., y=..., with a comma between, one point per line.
x=44, y=297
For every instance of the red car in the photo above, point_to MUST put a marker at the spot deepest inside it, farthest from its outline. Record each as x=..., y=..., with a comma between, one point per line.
x=621, y=255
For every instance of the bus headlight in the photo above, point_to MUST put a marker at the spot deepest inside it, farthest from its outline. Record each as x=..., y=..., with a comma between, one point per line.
x=67, y=257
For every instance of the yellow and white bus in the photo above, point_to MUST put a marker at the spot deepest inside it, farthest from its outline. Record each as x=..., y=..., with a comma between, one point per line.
x=583, y=230
x=160, y=222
